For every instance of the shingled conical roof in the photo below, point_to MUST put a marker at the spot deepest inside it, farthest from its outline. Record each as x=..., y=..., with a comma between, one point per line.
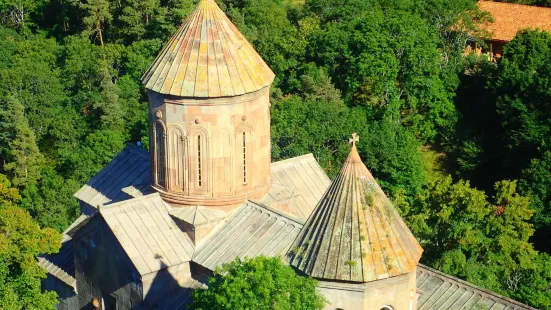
x=354, y=233
x=207, y=57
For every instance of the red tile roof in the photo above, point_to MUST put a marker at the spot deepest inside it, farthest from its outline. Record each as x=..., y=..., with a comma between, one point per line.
x=509, y=18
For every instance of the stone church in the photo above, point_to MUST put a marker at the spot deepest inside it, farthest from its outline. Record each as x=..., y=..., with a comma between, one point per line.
x=155, y=224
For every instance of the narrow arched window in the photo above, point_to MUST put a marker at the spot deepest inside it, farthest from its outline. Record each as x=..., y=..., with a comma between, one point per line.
x=199, y=163
x=175, y=159
x=160, y=153
x=244, y=158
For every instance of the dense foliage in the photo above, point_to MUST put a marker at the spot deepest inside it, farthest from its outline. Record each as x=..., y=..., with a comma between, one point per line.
x=21, y=241
x=259, y=283
x=485, y=240
x=446, y=134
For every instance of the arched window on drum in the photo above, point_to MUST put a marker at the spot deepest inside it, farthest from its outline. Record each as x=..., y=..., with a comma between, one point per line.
x=176, y=158
x=160, y=154
x=244, y=138
x=244, y=141
x=200, y=158
x=222, y=162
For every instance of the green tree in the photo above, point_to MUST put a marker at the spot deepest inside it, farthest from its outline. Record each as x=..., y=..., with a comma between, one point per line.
x=88, y=75
x=33, y=78
x=22, y=159
x=21, y=241
x=385, y=58
x=258, y=283
x=268, y=25
x=320, y=123
x=135, y=16
x=392, y=153
x=17, y=13
x=50, y=201
x=93, y=154
x=97, y=16
x=139, y=56
x=485, y=241
x=320, y=110
x=536, y=183
x=523, y=87
x=8, y=195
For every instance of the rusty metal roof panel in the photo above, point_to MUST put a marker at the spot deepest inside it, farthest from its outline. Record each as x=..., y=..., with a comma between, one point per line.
x=207, y=57
x=126, y=176
x=147, y=233
x=354, y=233
x=298, y=184
x=253, y=230
x=438, y=290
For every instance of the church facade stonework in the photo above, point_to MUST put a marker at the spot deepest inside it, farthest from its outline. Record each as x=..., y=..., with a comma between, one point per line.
x=155, y=225
x=212, y=151
x=209, y=114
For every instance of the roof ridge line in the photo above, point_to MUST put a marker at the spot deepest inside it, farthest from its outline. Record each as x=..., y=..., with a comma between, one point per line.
x=426, y=268
x=276, y=211
x=131, y=200
x=292, y=159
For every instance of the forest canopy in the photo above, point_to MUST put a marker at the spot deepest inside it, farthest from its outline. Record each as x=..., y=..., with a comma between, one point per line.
x=459, y=143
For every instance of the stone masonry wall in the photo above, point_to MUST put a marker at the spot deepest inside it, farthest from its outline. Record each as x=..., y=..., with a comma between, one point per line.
x=212, y=152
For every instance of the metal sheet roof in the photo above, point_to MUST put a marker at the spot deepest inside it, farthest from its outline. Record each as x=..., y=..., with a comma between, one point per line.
x=298, y=185
x=146, y=232
x=207, y=57
x=62, y=265
x=441, y=291
x=253, y=230
x=197, y=215
x=126, y=176
x=354, y=233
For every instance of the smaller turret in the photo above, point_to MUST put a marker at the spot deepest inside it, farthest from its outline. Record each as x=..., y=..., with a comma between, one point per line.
x=355, y=239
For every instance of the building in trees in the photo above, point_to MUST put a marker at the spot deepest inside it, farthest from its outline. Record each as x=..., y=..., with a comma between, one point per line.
x=155, y=225
x=510, y=18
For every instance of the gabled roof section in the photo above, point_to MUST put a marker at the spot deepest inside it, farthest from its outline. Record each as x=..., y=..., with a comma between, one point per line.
x=147, y=234
x=298, y=184
x=441, y=291
x=253, y=230
x=61, y=265
x=354, y=233
x=126, y=176
x=509, y=18
x=207, y=57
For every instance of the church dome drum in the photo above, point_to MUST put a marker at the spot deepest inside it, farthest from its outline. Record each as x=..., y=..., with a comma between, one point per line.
x=209, y=114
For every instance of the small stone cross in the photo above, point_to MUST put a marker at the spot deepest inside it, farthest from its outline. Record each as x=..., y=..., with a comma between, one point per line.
x=355, y=138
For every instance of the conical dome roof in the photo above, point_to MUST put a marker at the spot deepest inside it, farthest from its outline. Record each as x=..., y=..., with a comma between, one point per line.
x=207, y=57
x=354, y=233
